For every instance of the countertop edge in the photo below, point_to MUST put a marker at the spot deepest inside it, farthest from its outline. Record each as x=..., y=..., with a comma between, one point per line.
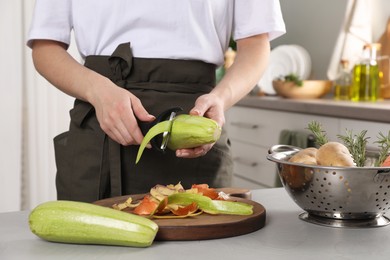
x=375, y=112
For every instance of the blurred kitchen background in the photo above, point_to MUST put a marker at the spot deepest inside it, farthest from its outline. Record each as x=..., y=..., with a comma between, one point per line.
x=33, y=112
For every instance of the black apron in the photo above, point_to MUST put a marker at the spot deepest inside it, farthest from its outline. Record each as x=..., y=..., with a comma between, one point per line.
x=91, y=166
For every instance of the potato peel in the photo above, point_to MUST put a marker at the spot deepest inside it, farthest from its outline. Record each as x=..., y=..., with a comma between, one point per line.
x=127, y=204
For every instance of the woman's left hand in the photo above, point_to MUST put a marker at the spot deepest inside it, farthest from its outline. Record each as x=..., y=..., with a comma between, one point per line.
x=210, y=106
x=249, y=64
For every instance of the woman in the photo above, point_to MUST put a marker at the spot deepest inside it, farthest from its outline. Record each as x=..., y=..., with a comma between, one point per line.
x=141, y=58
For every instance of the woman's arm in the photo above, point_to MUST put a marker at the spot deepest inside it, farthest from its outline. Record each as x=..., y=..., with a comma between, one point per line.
x=249, y=65
x=241, y=77
x=116, y=108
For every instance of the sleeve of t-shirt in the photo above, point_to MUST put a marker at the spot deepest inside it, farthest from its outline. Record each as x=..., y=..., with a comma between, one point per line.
x=252, y=17
x=51, y=21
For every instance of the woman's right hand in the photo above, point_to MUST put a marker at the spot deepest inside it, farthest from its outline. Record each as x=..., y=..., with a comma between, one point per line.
x=117, y=111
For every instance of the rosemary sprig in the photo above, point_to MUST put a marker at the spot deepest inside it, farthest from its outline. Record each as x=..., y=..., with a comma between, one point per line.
x=320, y=135
x=384, y=146
x=356, y=145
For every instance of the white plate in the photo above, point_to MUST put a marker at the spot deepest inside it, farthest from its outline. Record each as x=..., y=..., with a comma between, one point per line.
x=284, y=60
x=304, y=60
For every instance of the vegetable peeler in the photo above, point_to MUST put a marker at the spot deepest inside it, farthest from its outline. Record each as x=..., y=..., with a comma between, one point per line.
x=160, y=142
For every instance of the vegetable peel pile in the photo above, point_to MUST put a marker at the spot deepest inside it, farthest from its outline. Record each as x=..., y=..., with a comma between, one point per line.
x=173, y=201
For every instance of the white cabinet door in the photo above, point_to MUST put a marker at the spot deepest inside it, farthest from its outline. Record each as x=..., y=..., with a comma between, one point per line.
x=263, y=127
x=250, y=162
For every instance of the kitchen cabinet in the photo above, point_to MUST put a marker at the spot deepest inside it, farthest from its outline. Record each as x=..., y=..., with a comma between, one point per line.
x=252, y=131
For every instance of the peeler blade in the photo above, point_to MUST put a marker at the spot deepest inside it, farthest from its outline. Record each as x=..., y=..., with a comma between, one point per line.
x=167, y=134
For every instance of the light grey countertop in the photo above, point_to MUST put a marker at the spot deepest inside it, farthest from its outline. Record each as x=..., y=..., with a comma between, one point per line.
x=284, y=236
x=370, y=111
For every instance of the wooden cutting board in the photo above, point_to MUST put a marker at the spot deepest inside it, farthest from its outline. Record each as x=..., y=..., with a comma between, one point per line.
x=204, y=226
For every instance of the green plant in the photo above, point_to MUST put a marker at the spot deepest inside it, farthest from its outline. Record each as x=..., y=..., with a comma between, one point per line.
x=384, y=145
x=356, y=145
x=292, y=78
x=319, y=134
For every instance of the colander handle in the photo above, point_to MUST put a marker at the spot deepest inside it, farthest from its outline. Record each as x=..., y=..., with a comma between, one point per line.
x=282, y=148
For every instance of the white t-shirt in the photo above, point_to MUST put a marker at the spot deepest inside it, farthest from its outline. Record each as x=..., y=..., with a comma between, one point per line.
x=173, y=29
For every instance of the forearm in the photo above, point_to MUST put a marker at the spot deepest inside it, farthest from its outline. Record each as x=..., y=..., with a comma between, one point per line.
x=117, y=109
x=55, y=64
x=249, y=64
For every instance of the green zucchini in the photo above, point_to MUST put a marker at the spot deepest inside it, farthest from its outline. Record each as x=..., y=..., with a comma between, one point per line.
x=85, y=223
x=187, y=131
x=190, y=131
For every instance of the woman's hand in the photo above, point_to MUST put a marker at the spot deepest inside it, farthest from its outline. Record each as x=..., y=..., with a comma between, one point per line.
x=116, y=108
x=211, y=106
x=117, y=111
x=249, y=64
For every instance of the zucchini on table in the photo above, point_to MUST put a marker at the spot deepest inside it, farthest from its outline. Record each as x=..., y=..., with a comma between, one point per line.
x=85, y=223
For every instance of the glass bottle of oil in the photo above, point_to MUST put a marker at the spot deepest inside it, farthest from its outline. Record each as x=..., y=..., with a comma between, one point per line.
x=365, y=80
x=343, y=84
x=357, y=73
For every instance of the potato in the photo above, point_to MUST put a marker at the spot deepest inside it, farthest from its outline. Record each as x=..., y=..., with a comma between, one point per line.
x=306, y=156
x=334, y=154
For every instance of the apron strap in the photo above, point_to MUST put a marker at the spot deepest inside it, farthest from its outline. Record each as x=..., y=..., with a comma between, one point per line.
x=121, y=62
x=114, y=153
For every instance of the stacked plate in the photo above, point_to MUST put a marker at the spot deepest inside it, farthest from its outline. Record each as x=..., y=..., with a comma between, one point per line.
x=284, y=60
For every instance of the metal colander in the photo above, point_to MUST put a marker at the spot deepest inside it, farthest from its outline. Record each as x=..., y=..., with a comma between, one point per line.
x=335, y=196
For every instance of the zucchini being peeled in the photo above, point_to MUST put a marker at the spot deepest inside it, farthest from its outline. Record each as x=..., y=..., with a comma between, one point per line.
x=85, y=223
x=187, y=131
